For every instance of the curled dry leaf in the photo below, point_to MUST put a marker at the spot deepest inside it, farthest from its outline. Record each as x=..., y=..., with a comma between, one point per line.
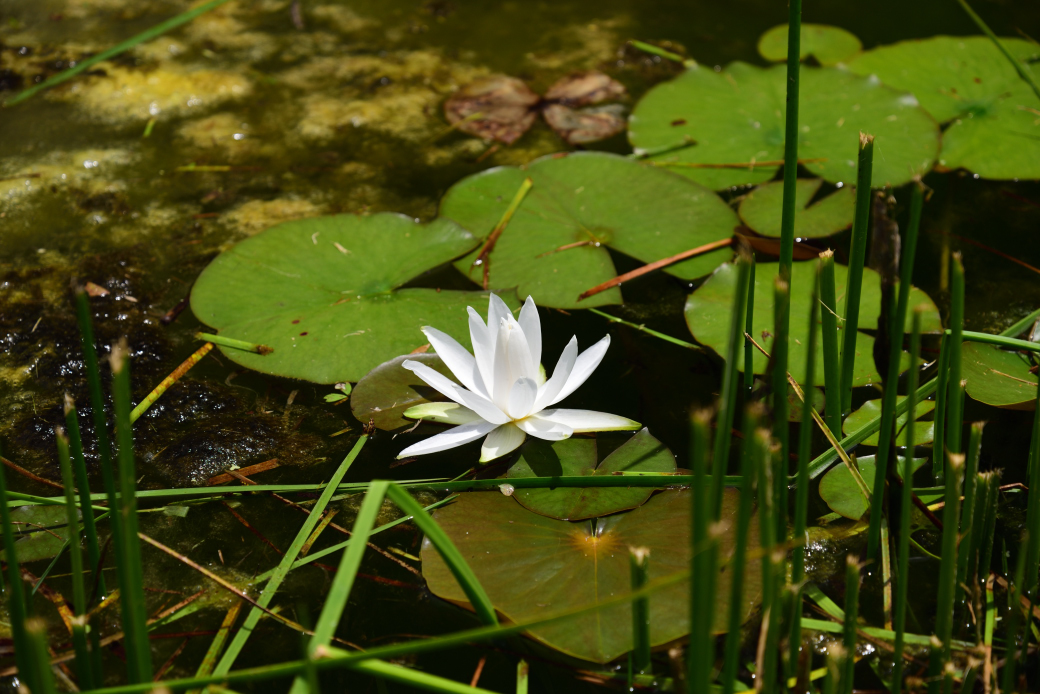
x=587, y=125
x=585, y=89
x=494, y=108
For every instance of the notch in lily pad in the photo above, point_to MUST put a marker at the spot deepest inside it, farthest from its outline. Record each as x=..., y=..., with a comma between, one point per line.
x=813, y=217
x=829, y=45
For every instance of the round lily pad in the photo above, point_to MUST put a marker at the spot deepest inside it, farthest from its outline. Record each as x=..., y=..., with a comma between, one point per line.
x=968, y=82
x=386, y=391
x=708, y=312
x=998, y=377
x=830, y=45
x=760, y=209
x=324, y=293
x=923, y=431
x=703, y=120
x=531, y=566
x=39, y=543
x=575, y=456
x=840, y=492
x=553, y=247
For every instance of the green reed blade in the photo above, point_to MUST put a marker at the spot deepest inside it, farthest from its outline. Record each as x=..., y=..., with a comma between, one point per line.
x=942, y=388
x=414, y=678
x=39, y=657
x=639, y=565
x=728, y=401
x=1032, y=565
x=829, y=339
x=130, y=571
x=749, y=320
x=955, y=403
x=794, y=40
x=275, y=581
x=999, y=340
x=350, y=562
x=522, y=675
x=947, y=590
x=79, y=469
x=781, y=405
x=1012, y=635
x=84, y=663
x=989, y=526
x=17, y=606
x=770, y=523
x=833, y=666
x=750, y=455
x=701, y=652
x=968, y=509
x=857, y=258
x=851, y=620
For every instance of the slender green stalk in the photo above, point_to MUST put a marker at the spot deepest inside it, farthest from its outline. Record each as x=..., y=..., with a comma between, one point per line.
x=939, y=430
x=728, y=401
x=794, y=51
x=655, y=50
x=84, y=663
x=39, y=657
x=1032, y=561
x=956, y=391
x=857, y=258
x=947, y=573
x=234, y=344
x=87, y=63
x=968, y=509
x=999, y=340
x=17, y=606
x=414, y=678
x=781, y=405
x=983, y=500
x=749, y=460
x=130, y=571
x=1012, y=635
x=749, y=322
x=896, y=325
x=831, y=356
x=522, y=675
x=851, y=619
x=79, y=469
x=833, y=667
x=772, y=575
x=905, y=513
x=639, y=562
x=701, y=652
x=1019, y=68
x=643, y=328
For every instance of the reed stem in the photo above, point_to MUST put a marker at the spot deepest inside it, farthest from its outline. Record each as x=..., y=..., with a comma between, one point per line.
x=703, y=558
x=857, y=258
x=968, y=508
x=639, y=559
x=831, y=356
x=794, y=41
x=19, y=609
x=851, y=619
x=749, y=321
x=942, y=387
x=781, y=406
x=772, y=578
x=39, y=657
x=956, y=391
x=947, y=574
x=1032, y=560
x=1014, y=618
x=79, y=469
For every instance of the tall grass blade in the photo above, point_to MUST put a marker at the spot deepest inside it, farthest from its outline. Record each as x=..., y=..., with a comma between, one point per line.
x=955, y=404
x=522, y=674
x=749, y=320
x=39, y=657
x=942, y=387
x=1032, y=560
x=772, y=564
x=639, y=564
x=829, y=340
x=1012, y=635
x=851, y=620
x=968, y=507
x=79, y=469
x=778, y=381
x=701, y=652
x=947, y=573
x=18, y=608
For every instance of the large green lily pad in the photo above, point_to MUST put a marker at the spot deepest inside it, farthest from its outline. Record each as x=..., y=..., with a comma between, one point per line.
x=708, y=312
x=998, y=377
x=531, y=566
x=595, y=200
x=576, y=456
x=737, y=117
x=966, y=81
x=324, y=293
x=45, y=532
x=386, y=391
x=923, y=431
x=840, y=492
x=760, y=209
x=830, y=45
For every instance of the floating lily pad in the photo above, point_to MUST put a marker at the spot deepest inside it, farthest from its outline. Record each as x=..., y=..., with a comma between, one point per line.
x=828, y=44
x=494, y=108
x=839, y=490
x=760, y=209
x=41, y=544
x=552, y=248
x=574, y=456
x=966, y=80
x=531, y=565
x=998, y=377
x=582, y=126
x=388, y=390
x=736, y=117
x=923, y=431
x=708, y=312
x=323, y=293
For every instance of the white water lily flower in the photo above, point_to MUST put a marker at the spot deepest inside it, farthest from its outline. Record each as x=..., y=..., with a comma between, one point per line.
x=504, y=393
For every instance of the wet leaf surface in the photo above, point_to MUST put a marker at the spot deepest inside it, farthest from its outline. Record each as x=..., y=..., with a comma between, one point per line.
x=760, y=209
x=998, y=377
x=841, y=493
x=578, y=456
x=587, y=125
x=389, y=389
x=531, y=565
x=829, y=45
x=585, y=89
x=42, y=541
x=494, y=108
x=923, y=431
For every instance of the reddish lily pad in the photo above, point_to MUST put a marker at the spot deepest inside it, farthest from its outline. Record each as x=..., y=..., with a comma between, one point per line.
x=384, y=394
x=493, y=108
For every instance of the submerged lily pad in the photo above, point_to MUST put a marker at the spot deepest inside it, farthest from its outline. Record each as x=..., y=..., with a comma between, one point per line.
x=552, y=248
x=966, y=80
x=386, y=391
x=736, y=117
x=494, y=108
x=531, y=565
x=923, y=431
x=324, y=293
x=760, y=209
x=709, y=307
x=574, y=456
x=840, y=492
x=39, y=543
x=998, y=377
x=830, y=45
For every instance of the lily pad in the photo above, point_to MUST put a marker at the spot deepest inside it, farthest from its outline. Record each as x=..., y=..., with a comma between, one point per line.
x=709, y=307
x=760, y=209
x=841, y=493
x=830, y=45
x=736, y=117
x=386, y=391
x=574, y=456
x=966, y=81
x=998, y=377
x=40, y=544
x=324, y=293
x=553, y=247
x=923, y=431
x=493, y=108
x=531, y=566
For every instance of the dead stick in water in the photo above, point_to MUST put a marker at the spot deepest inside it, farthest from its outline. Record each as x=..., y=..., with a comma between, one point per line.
x=656, y=265
x=164, y=385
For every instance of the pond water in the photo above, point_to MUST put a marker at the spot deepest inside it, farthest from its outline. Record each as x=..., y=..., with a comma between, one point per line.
x=343, y=114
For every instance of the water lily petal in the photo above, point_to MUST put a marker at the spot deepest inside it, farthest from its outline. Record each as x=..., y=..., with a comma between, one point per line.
x=588, y=420
x=461, y=363
x=543, y=428
x=502, y=380
x=497, y=310
x=502, y=440
x=532, y=327
x=521, y=398
x=482, y=406
x=547, y=392
x=584, y=365
x=483, y=341
x=439, y=382
x=443, y=412
x=518, y=353
x=459, y=436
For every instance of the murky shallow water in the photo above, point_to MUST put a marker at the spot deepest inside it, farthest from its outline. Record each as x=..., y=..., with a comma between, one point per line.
x=344, y=116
